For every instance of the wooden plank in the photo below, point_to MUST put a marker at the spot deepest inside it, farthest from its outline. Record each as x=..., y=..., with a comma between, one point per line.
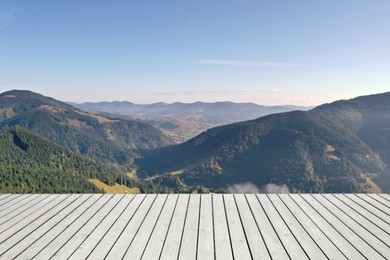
x=173, y=239
x=20, y=214
x=87, y=229
x=16, y=202
x=380, y=214
x=223, y=248
x=140, y=238
x=3, y=196
x=364, y=212
x=156, y=242
x=357, y=241
x=16, y=244
x=375, y=203
x=124, y=207
x=272, y=241
x=10, y=198
x=380, y=199
x=306, y=242
x=329, y=230
x=290, y=243
x=16, y=208
x=126, y=236
x=113, y=234
x=190, y=234
x=206, y=228
x=376, y=244
x=375, y=230
x=255, y=240
x=86, y=202
x=385, y=196
x=74, y=226
x=237, y=234
x=16, y=224
x=326, y=245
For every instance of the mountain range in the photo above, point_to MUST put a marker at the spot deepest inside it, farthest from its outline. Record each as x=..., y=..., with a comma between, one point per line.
x=95, y=136
x=339, y=147
x=217, y=113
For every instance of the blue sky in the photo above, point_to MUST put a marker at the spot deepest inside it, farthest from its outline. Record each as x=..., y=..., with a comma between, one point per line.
x=302, y=52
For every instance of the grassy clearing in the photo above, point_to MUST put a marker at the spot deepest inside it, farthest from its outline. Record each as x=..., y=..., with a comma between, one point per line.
x=373, y=187
x=330, y=149
x=176, y=172
x=132, y=173
x=116, y=189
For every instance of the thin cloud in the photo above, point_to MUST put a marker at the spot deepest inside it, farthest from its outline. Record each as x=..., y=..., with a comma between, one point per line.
x=247, y=63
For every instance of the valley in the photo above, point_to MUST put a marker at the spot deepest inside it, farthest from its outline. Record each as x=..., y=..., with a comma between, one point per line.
x=337, y=147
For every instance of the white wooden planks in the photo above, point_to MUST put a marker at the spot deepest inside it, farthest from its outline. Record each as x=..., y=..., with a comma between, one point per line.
x=286, y=226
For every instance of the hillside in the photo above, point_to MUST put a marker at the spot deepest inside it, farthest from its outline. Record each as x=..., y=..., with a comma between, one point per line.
x=32, y=164
x=304, y=150
x=178, y=129
x=217, y=113
x=95, y=136
x=369, y=118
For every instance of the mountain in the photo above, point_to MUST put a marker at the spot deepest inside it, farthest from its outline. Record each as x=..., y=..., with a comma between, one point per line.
x=369, y=118
x=178, y=129
x=308, y=151
x=31, y=164
x=95, y=136
x=218, y=113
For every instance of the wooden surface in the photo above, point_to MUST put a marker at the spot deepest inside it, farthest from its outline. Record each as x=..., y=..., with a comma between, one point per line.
x=285, y=226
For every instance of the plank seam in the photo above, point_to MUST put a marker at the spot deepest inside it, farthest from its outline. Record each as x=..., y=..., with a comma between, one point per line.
x=84, y=223
x=154, y=226
x=1, y=216
x=82, y=242
x=288, y=227
x=373, y=205
x=363, y=216
x=257, y=225
x=227, y=224
x=242, y=226
x=346, y=224
x=384, y=196
x=128, y=222
x=68, y=225
x=197, y=234
x=318, y=226
x=23, y=211
x=37, y=229
x=12, y=198
x=374, y=198
x=213, y=220
x=272, y=225
x=315, y=242
x=361, y=206
x=333, y=227
x=33, y=220
x=116, y=240
x=184, y=225
x=93, y=249
x=169, y=227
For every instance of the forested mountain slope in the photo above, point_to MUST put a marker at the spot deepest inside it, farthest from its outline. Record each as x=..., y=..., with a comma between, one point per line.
x=304, y=150
x=95, y=136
